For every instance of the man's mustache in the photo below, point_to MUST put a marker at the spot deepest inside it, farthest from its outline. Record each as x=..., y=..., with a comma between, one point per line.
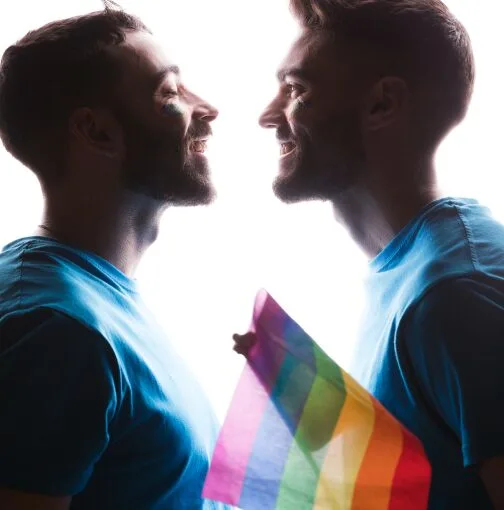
x=197, y=131
x=284, y=134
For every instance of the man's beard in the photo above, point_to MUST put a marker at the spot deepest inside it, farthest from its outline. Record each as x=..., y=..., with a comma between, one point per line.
x=161, y=166
x=328, y=160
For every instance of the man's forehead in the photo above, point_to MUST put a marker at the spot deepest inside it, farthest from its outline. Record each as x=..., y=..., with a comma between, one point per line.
x=142, y=54
x=306, y=54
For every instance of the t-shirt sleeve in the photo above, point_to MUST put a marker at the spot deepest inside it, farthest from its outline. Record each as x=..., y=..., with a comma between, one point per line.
x=59, y=383
x=455, y=342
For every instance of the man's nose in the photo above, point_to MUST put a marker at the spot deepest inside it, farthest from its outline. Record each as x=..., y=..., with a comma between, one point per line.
x=272, y=116
x=205, y=111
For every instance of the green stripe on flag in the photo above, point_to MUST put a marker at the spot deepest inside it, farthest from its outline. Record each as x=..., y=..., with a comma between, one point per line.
x=318, y=420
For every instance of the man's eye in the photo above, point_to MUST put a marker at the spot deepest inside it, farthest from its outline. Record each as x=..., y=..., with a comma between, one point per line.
x=169, y=94
x=293, y=90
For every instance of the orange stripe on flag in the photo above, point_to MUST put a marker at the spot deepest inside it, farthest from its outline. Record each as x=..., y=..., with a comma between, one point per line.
x=375, y=478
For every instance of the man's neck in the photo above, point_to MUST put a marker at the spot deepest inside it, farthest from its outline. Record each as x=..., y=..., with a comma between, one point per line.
x=375, y=215
x=118, y=229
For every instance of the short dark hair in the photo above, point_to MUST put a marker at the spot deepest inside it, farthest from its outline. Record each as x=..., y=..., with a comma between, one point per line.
x=50, y=72
x=418, y=39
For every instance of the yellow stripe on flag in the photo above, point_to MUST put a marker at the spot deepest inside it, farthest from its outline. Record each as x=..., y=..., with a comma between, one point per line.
x=346, y=450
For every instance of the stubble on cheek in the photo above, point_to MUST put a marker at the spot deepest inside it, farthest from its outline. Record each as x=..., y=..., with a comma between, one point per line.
x=173, y=110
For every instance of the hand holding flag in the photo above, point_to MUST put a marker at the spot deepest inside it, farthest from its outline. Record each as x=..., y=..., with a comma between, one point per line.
x=302, y=434
x=243, y=343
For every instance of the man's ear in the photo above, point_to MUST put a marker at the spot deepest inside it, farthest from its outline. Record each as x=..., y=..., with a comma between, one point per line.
x=98, y=130
x=385, y=103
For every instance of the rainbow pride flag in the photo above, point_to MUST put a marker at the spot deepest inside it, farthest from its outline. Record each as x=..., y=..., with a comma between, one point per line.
x=302, y=434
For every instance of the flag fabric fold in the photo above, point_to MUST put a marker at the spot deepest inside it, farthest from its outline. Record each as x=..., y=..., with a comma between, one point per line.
x=301, y=434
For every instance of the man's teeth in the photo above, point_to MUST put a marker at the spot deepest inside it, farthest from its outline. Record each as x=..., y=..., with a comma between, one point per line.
x=198, y=145
x=285, y=148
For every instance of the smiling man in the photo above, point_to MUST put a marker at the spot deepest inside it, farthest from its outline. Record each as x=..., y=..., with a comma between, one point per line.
x=97, y=409
x=367, y=93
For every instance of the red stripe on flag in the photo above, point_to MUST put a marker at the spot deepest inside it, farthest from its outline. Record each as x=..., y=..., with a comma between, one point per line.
x=413, y=465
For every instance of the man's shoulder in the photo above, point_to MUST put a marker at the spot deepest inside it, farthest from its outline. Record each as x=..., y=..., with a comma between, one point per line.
x=457, y=243
x=33, y=266
x=459, y=237
x=39, y=274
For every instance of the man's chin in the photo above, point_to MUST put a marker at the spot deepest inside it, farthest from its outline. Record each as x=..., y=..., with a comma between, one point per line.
x=191, y=191
x=206, y=197
x=290, y=188
x=290, y=184
x=194, y=186
x=195, y=194
x=294, y=196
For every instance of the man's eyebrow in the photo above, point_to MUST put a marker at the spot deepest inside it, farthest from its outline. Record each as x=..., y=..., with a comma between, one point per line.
x=163, y=73
x=295, y=72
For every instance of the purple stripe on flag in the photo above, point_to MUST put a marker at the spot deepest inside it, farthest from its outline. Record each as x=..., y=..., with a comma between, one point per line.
x=299, y=342
x=281, y=418
x=229, y=463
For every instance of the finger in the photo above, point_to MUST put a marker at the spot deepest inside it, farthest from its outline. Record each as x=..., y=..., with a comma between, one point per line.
x=243, y=343
x=241, y=350
x=246, y=339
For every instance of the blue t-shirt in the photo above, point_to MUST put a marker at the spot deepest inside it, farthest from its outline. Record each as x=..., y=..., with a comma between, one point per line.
x=94, y=401
x=432, y=343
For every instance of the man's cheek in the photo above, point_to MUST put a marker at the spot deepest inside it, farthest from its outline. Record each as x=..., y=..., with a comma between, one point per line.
x=295, y=110
x=175, y=110
x=301, y=118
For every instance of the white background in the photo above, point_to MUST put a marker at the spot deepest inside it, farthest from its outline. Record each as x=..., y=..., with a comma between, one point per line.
x=201, y=276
